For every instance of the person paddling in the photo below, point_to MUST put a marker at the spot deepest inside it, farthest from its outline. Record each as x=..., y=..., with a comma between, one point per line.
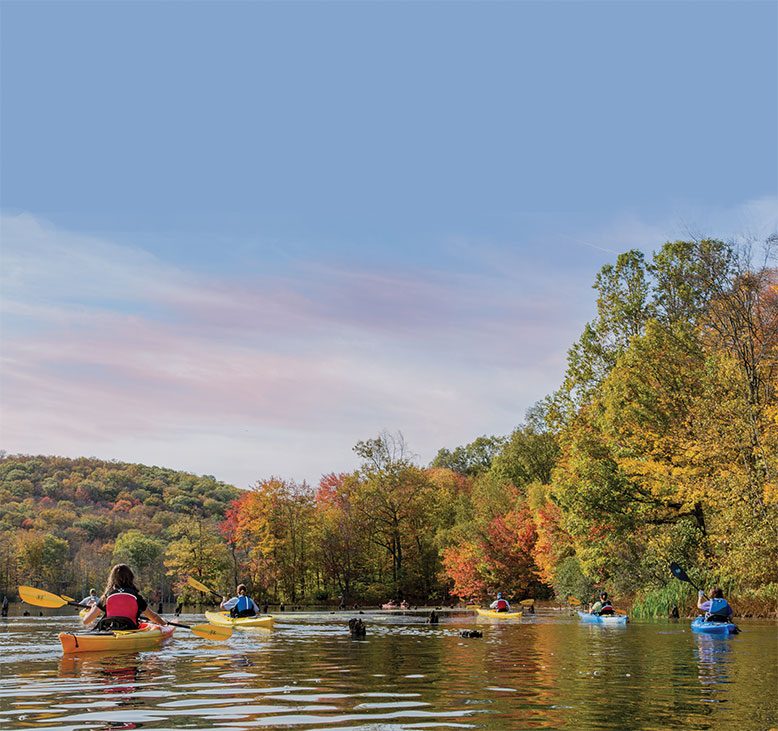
x=121, y=603
x=602, y=605
x=90, y=600
x=716, y=608
x=241, y=605
x=500, y=604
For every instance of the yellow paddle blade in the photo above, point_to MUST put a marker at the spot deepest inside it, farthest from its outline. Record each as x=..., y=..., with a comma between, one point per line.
x=619, y=611
x=527, y=602
x=212, y=632
x=41, y=598
x=67, y=598
x=574, y=601
x=195, y=584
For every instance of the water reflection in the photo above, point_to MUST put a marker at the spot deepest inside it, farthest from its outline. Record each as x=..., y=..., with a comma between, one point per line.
x=550, y=672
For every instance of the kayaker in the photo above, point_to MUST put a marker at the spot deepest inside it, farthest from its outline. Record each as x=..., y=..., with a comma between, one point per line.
x=602, y=605
x=121, y=603
x=241, y=605
x=90, y=600
x=500, y=604
x=716, y=608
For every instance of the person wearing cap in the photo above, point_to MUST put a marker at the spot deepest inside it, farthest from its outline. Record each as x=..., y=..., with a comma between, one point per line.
x=500, y=604
x=241, y=605
x=91, y=600
x=602, y=605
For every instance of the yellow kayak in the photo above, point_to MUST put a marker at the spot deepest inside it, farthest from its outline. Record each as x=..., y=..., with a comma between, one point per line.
x=148, y=637
x=223, y=619
x=494, y=614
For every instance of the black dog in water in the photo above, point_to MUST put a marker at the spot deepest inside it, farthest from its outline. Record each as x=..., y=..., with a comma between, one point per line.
x=471, y=633
x=357, y=627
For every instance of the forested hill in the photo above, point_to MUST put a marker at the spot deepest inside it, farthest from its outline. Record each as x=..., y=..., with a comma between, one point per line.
x=82, y=513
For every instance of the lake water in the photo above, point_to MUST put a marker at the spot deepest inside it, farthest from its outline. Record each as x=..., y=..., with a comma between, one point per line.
x=543, y=672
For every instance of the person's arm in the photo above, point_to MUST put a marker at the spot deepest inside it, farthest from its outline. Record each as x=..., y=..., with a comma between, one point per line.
x=93, y=614
x=702, y=603
x=256, y=608
x=228, y=603
x=595, y=608
x=493, y=605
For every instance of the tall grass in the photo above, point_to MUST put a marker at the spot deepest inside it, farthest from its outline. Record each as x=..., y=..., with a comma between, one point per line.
x=660, y=602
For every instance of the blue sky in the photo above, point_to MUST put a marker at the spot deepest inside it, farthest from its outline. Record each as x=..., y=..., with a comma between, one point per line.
x=238, y=237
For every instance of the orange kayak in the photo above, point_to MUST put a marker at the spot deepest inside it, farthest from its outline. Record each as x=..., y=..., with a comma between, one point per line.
x=147, y=637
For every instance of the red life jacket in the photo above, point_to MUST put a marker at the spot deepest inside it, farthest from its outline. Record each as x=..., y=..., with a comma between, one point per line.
x=122, y=604
x=502, y=605
x=607, y=608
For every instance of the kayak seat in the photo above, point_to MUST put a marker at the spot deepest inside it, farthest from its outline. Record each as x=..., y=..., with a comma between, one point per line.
x=112, y=624
x=716, y=618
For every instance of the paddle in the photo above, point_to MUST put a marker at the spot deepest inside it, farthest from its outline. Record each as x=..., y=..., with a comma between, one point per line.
x=195, y=584
x=67, y=598
x=41, y=598
x=527, y=602
x=680, y=574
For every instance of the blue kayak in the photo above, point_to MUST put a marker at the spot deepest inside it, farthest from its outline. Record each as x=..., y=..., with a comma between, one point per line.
x=713, y=628
x=607, y=619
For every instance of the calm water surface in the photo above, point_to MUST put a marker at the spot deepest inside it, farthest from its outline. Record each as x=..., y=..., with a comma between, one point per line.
x=543, y=672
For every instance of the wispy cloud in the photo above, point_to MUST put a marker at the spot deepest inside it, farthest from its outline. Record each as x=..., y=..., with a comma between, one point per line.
x=110, y=351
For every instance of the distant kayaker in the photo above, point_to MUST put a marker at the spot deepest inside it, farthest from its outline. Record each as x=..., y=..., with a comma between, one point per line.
x=121, y=602
x=716, y=608
x=602, y=605
x=241, y=605
x=90, y=600
x=500, y=604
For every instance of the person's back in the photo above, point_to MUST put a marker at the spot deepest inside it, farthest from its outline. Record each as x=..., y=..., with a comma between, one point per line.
x=602, y=605
x=500, y=604
x=121, y=603
x=717, y=608
x=241, y=605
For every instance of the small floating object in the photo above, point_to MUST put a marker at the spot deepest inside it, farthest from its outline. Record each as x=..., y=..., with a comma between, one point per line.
x=471, y=633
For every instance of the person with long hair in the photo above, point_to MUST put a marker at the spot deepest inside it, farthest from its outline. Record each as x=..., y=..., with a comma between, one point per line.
x=121, y=602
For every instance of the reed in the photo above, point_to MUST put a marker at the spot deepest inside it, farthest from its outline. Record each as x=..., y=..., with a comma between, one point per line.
x=660, y=601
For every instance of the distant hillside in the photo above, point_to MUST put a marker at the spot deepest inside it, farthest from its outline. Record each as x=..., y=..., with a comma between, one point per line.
x=60, y=518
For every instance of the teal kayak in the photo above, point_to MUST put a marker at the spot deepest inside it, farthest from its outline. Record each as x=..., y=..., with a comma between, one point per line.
x=714, y=628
